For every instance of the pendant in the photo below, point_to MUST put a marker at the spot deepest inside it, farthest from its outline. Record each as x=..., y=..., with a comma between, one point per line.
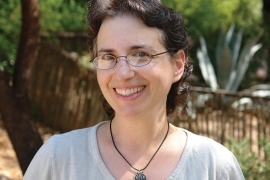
x=140, y=176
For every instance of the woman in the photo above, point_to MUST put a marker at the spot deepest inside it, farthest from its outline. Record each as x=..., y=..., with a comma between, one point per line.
x=140, y=49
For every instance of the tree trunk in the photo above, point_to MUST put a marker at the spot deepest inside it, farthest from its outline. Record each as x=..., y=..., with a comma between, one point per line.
x=15, y=106
x=266, y=12
x=266, y=21
x=266, y=17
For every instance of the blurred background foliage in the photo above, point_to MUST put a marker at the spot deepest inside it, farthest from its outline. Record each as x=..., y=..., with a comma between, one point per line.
x=253, y=166
x=206, y=17
x=63, y=15
x=209, y=17
x=10, y=22
x=56, y=16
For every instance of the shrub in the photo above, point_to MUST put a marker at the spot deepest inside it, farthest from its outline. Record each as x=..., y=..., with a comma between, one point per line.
x=253, y=166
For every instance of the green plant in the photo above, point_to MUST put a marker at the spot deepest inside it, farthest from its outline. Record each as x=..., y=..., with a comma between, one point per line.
x=206, y=15
x=10, y=22
x=253, y=166
x=63, y=15
x=60, y=15
x=230, y=62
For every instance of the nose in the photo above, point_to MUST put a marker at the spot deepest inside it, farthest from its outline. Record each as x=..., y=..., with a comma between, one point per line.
x=123, y=70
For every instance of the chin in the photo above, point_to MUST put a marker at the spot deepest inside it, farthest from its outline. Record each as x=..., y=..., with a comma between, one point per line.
x=128, y=113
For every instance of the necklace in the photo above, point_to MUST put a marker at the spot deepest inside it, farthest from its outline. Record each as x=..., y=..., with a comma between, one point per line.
x=139, y=175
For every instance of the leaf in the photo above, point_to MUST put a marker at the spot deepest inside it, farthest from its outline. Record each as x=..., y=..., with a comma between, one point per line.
x=219, y=47
x=229, y=34
x=236, y=48
x=232, y=78
x=202, y=65
x=206, y=66
x=246, y=55
x=224, y=67
x=212, y=76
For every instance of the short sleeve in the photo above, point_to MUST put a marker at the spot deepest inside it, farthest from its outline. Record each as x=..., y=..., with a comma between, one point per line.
x=232, y=170
x=41, y=167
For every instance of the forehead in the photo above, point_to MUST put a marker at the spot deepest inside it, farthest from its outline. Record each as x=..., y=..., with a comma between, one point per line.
x=124, y=31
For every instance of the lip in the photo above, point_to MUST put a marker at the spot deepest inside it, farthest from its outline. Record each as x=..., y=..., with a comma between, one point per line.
x=129, y=92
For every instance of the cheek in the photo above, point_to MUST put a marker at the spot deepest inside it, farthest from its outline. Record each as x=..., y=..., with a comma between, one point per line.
x=98, y=77
x=165, y=74
x=101, y=78
x=161, y=79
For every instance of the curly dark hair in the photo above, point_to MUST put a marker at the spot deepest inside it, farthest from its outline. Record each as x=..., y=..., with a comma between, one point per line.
x=154, y=14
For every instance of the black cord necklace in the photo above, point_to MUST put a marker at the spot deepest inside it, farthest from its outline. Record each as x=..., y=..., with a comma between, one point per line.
x=139, y=174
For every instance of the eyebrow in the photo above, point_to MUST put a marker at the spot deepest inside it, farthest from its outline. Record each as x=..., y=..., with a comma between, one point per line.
x=140, y=46
x=105, y=50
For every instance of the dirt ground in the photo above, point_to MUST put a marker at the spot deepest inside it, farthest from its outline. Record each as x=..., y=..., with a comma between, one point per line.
x=9, y=166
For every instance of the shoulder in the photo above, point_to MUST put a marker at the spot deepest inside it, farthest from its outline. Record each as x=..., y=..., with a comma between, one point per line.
x=71, y=137
x=63, y=153
x=72, y=141
x=206, y=145
x=212, y=156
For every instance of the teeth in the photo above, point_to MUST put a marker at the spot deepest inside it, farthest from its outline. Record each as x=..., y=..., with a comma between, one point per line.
x=127, y=92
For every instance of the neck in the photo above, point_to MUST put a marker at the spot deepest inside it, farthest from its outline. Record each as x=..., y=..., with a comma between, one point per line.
x=139, y=133
x=141, y=169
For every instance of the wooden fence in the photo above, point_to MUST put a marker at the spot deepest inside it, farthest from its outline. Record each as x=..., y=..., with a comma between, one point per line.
x=66, y=97
x=69, y=41
x=221, y=115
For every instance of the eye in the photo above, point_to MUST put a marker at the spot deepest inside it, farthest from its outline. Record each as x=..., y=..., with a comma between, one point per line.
x=107, y=57
x=140, y=54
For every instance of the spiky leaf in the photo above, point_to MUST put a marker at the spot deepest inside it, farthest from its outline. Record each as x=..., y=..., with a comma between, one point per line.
x=224, y=67
x=220, y=44
x=246, y=55
x=236, y=48
x=229, y=34
x=206, y=66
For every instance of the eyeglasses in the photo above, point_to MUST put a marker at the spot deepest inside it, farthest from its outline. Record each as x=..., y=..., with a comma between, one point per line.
x=137, y=59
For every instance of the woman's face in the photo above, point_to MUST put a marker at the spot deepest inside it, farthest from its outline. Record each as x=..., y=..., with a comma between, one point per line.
x=133, y=90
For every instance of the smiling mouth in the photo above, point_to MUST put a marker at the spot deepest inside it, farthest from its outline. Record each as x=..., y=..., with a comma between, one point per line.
x=129, y=92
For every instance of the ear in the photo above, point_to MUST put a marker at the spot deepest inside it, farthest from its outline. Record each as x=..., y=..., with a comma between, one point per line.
x=179, y=64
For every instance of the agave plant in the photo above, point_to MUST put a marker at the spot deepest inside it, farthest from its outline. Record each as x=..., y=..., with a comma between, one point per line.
x=231, y=63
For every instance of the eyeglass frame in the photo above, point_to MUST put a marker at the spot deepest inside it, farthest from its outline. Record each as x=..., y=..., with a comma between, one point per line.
x=126, y=57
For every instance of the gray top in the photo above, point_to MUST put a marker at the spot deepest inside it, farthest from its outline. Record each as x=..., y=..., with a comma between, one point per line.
x=75, y=156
